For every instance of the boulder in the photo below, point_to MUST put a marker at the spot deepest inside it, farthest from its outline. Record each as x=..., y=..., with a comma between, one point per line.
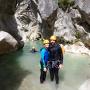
x=78, y=48
x=7, y=43
x=8, y=24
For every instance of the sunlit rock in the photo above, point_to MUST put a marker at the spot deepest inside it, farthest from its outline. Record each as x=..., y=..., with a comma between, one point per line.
x=78, y=48
x=28, y=19
x=46, y=7
x=80, y=23
x=64, y=26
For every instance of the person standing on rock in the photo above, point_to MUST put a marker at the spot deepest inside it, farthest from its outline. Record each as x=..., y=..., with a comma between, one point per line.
x=56, y=59
x=44, y=59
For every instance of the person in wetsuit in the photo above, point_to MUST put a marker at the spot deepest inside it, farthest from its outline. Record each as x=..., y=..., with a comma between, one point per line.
x=33, y=50
x=44, y=59
x=56, y=59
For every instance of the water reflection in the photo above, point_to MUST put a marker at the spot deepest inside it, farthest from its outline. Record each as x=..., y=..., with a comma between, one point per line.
x=11, y=74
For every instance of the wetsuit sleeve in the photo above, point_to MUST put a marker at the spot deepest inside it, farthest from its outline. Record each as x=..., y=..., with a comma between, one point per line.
x=42, y=57
x=61, y=55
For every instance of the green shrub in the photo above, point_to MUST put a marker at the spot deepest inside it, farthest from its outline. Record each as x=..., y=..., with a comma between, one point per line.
x=78, y=35
x=64, y=4
x=63, y=41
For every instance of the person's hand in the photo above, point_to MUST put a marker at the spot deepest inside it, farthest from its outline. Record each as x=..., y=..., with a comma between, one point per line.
x=45, y=69
x=61, y=66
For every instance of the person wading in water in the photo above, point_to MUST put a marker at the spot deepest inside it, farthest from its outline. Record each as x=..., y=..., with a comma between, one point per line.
x=44, y=59
x=56, y=58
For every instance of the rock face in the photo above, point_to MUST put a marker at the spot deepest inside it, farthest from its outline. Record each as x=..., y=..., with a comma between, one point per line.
x=42, y=18
x=64, y=26
x=7, y=43
x=34, y=19
x=46, y=7
x=7, y=7
x=84, y=6
x=36, y=16
x=26, y=17
x=48, y=12
x=8, y=23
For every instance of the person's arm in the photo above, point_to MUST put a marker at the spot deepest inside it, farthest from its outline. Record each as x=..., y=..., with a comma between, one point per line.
x=61, y=57
x=42, y=57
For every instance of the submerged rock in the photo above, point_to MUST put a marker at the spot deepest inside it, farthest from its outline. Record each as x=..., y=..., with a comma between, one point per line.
x=85, y=85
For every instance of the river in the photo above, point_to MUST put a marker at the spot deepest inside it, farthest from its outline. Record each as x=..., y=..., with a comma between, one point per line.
x=21, y=70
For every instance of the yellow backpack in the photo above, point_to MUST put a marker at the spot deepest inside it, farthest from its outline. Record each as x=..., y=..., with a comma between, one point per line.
x=63, y=49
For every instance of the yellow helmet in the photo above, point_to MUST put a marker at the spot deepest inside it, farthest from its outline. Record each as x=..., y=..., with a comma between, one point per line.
x=46, y=41
x=53, y=37
x=33, y=47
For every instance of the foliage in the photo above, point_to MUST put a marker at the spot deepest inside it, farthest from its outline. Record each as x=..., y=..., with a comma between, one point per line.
x=78, y=35
x=63, y=41
x=64, y=4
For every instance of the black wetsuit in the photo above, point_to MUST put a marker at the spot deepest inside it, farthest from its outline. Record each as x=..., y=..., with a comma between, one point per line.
x=33, y=51
x=56, y=58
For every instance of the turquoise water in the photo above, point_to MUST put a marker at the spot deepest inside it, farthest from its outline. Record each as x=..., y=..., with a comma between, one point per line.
x=20, y=71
